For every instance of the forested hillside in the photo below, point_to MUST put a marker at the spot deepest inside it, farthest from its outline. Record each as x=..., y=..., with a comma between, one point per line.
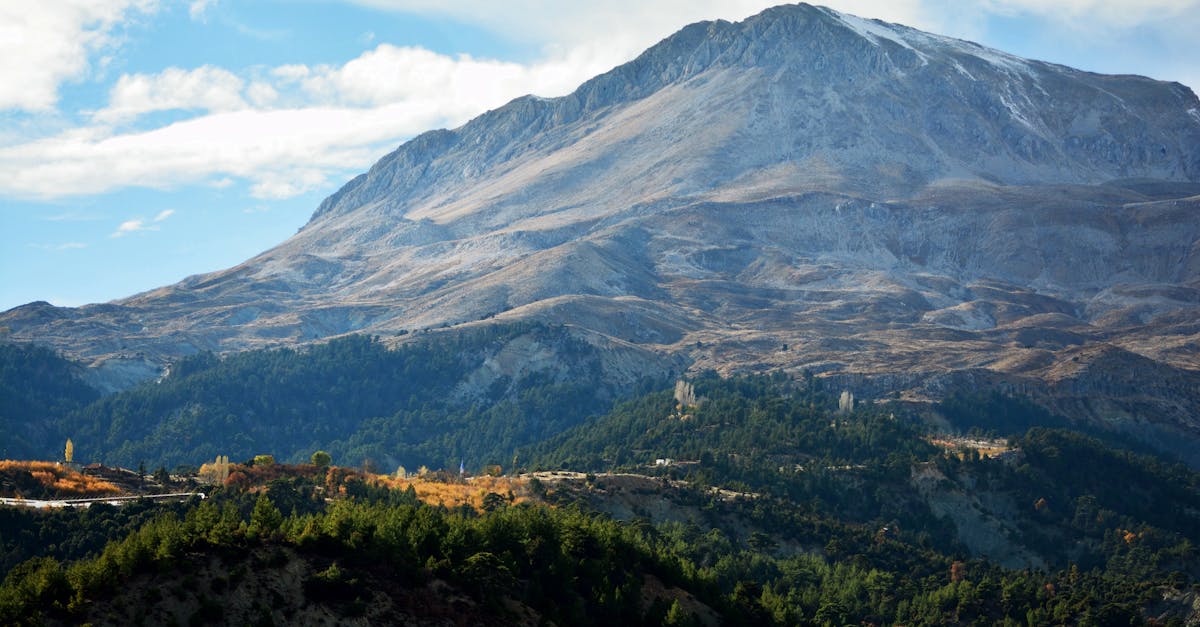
x=37, y=388
x=282, y=552
x=363, y=402
x=1055, y=497
x=745, y=500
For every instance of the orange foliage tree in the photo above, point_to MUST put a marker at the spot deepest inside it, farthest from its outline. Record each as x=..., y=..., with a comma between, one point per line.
x=59, y=481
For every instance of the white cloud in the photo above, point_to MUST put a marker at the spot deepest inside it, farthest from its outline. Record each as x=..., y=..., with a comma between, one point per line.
x=287, y=183
x=205, y=88
x=330, y=120
x=132, y=226
x=466, y=85
x=164, y=214
x=43, y=44
x=266, y=147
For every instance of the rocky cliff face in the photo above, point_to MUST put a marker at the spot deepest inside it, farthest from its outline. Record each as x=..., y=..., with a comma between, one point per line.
x=804, y=189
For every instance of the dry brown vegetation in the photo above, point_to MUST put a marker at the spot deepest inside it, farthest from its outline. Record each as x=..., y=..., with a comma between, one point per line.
x=59, y=480
x=958, y=445
x=434, y=488
x=471, y=491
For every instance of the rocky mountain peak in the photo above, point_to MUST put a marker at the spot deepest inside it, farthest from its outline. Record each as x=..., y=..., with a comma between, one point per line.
x=861, y=105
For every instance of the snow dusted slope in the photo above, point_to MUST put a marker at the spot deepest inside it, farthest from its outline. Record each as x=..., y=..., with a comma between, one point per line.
x=804, y=189
x=825, y=99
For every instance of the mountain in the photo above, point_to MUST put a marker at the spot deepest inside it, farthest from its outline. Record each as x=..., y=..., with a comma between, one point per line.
x=898, y=212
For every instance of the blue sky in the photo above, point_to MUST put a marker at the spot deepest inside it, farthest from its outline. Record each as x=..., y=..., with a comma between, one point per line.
x=142, y=141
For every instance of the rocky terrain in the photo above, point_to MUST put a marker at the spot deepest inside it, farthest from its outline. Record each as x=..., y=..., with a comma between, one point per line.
x=899, y=212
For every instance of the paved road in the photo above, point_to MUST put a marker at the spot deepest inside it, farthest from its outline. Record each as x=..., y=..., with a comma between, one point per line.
x=108, y=500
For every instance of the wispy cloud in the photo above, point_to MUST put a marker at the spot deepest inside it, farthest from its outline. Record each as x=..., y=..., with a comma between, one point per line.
x=164, y=214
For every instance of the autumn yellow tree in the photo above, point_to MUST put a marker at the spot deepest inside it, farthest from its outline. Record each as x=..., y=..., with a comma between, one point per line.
x=216, y=472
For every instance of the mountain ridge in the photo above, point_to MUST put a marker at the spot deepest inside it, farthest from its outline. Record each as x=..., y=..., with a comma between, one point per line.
x=686, y=55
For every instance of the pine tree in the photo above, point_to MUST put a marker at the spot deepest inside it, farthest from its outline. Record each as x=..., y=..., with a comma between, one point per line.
x=266, y=518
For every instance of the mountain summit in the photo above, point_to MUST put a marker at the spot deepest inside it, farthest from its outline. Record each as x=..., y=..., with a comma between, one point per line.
x=899, y=212
x=800, y=97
